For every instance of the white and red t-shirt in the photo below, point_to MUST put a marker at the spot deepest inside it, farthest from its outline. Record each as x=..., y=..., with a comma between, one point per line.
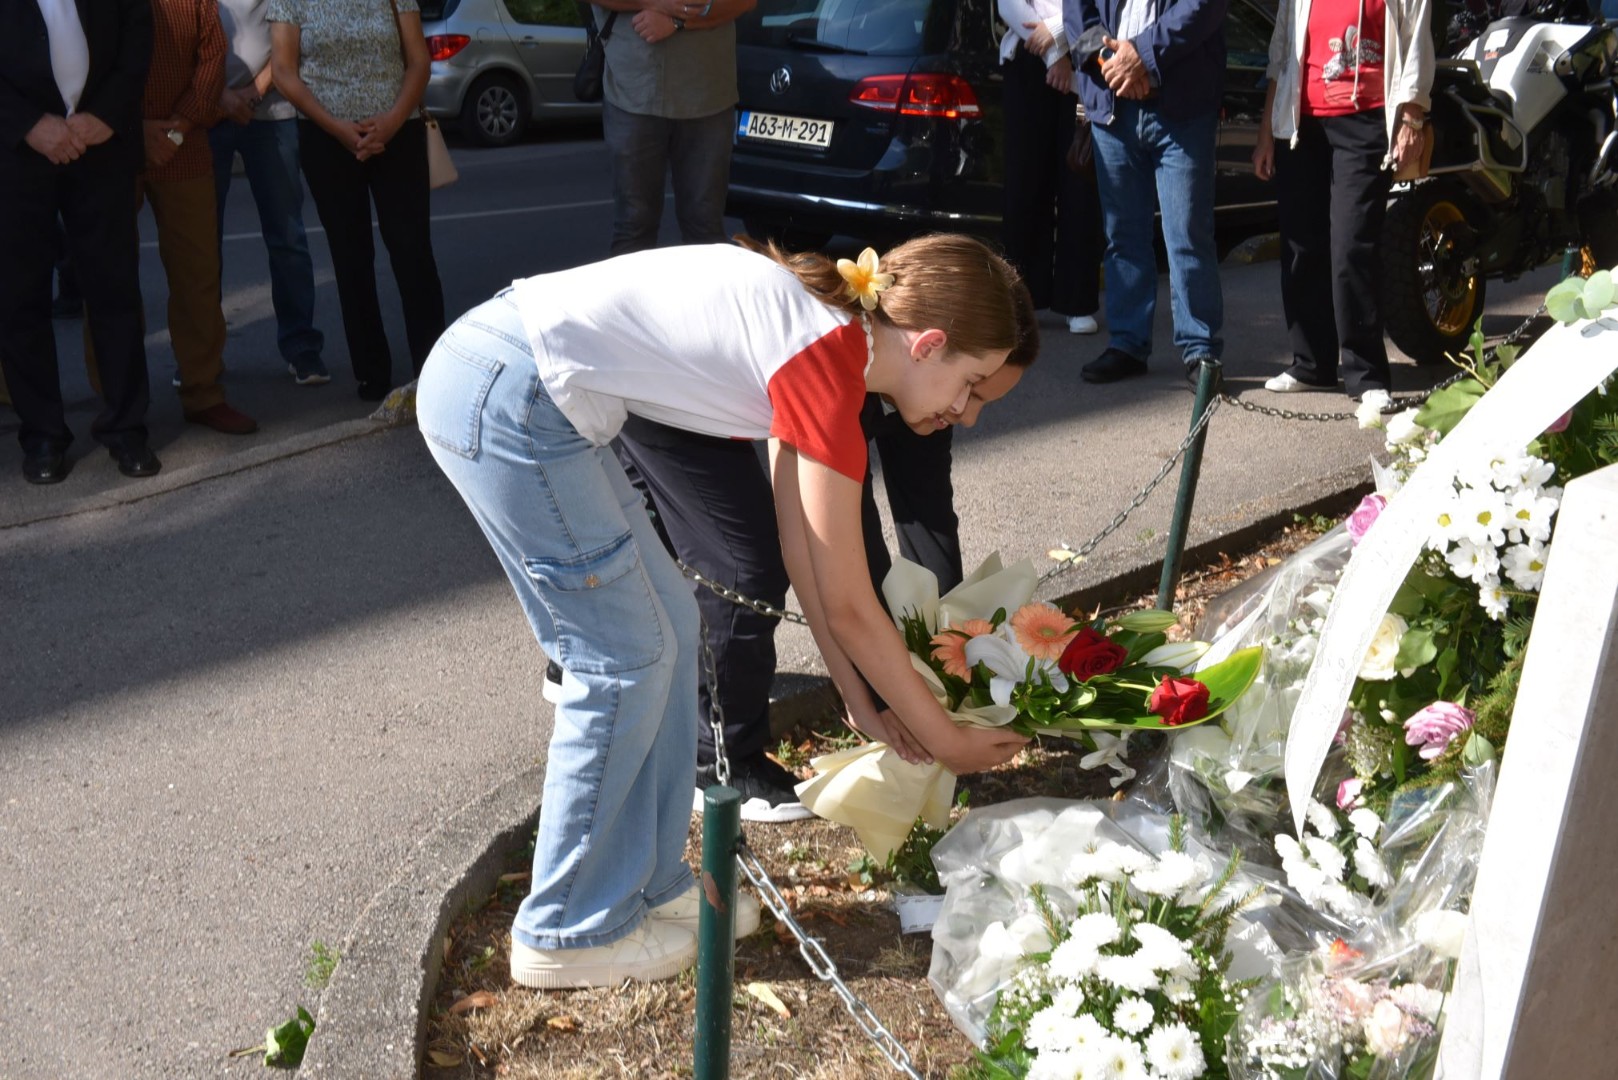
x=1343, y=57
x=714, y=339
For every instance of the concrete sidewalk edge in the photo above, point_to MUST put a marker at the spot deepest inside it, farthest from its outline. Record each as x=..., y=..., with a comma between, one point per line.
x=373, y=1015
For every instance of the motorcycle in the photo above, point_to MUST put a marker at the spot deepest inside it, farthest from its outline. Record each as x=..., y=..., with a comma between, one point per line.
x=1524, y=169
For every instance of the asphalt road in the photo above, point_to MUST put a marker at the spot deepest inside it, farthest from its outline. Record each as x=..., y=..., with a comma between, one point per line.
x=233, y=699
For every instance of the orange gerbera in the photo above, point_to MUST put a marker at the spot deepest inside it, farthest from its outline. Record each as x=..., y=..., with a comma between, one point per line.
x=1042, y=630
x=949, y=646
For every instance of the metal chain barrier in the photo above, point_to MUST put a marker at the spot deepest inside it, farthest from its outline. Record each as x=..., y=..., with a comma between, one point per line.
x=821, y=964
x=1399, y=404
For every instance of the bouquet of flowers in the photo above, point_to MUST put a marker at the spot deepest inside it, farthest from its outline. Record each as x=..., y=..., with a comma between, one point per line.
x=1037, y=669
x=1134, y=982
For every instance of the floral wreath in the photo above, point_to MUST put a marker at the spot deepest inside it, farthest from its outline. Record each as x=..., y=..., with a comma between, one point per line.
x=863, y=279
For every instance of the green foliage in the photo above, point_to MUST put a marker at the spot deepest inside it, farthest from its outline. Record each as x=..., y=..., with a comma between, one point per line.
x=1576, y=299
x=317, y=970
x=284, y=1045
x=864, y=869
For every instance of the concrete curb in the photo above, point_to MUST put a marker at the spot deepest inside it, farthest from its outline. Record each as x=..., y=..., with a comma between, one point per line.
x=372, y=1016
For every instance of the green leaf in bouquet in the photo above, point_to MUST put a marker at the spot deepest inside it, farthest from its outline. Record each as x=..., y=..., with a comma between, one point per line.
x=1121, y=706
x=1149, y=621
x=1565, y=301
x=1446, y=666
x=1445, y=407
x=1598, y=292
x=1416, y=649
x=1477, y=751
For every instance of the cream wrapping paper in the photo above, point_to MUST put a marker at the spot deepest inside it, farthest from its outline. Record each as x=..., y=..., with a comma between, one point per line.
x=870, y=788
x=1546, y=381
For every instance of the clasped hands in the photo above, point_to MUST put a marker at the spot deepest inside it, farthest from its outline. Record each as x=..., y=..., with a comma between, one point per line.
x=655, y=23
x=367, y=138
x=1125, y=71
x=970, y=749
x=61, y=140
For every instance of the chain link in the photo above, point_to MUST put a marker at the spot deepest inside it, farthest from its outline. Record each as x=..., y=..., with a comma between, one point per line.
x=821, y=964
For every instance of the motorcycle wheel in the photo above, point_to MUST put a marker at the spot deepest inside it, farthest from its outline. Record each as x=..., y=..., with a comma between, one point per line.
x=1430, y=301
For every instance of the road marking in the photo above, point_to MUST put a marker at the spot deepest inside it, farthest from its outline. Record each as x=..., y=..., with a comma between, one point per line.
x=465, y=216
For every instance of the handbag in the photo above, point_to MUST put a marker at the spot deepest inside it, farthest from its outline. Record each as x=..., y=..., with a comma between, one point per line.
x=1081, y=152
x=593, y=68
x=441, y=171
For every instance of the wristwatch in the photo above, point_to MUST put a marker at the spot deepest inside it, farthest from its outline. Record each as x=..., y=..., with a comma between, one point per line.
x=175, y=137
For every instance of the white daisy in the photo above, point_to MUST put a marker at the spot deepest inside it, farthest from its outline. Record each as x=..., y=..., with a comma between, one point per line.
x=1095, y=928
x=1048, y=1029
x=1525, y=564
x=1132, y=1015
x=1321, y=852
x=1117, y=1059
x=1068, y=1000
x=1175, y=1053
x=1529, y=513
x=1447, y=523
x=1323, y=820
x=1492, y=597
x=1484, y=515
x=1058, y=1065
x=1073, y=959
x=1128, y=972
x=1159, y=947
x=1365, y=822
x=1368, y=864
x=1178, y=990
x=1473, y=560
x=1088, y=1033
x=1174, y=871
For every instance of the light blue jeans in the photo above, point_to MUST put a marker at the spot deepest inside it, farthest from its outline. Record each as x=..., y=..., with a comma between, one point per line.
x=1137, y=153
x=269, y=150
x=606, y=601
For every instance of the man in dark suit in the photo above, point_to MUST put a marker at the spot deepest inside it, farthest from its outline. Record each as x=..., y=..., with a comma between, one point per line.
x=72, y=74
x=1150, y=74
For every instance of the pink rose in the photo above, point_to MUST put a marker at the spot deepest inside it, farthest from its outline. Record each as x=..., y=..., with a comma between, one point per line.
x=1348, y=793
x=1364, y=516
x=1560, y=423
x=1434, y=727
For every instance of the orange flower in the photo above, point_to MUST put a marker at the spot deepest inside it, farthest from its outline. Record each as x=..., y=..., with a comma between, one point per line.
x=1042, y=630
x=949, y=647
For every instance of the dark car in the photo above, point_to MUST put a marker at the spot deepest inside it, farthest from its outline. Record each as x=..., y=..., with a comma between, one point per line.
x=882, y=118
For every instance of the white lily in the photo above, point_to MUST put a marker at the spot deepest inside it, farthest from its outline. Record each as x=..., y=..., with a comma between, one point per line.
x=1179, y=655
x=1008, y=665
x=1109, y=751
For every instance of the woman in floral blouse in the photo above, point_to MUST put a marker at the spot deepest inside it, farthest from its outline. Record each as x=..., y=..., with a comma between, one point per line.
x=356, y=71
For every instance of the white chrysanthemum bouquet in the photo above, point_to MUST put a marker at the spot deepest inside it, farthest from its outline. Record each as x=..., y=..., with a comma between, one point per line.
x=1134, y=983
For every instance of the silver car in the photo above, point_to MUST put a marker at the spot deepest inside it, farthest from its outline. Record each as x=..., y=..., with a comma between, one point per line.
x=499, y=64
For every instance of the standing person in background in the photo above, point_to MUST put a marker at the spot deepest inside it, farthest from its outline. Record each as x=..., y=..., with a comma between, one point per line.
x=1151, y=74
x=180, y=104
x=356, y=71
x=70, y=144
x=670, y=93
x=1350, y=82
x=259, y=124
x=1052, y=219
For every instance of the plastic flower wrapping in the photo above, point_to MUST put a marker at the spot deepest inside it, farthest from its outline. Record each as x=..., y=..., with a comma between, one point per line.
x=992, y=656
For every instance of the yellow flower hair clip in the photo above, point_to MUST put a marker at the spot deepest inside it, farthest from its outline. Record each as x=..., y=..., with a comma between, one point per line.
x=864, y=278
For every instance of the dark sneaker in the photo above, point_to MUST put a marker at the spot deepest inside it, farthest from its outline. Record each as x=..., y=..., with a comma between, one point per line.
x=765, y=787
x=551, y=691
x=309, y=371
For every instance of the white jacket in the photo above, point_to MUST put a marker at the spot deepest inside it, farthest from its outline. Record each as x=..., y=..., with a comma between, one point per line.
x=1407, y=63
x=1014, y=13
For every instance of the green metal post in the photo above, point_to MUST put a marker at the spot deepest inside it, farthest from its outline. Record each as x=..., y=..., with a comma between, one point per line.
x=1190, y=466
x=716, y=939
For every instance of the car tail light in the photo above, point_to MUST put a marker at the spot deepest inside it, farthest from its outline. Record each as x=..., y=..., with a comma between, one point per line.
x=946, y=97
x=444, y=46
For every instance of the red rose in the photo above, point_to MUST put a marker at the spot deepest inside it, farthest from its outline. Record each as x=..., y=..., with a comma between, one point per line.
x=1090, y=654
x=1179, y=701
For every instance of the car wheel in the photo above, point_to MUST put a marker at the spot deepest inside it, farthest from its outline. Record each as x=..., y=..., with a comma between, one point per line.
x=1434, y=291
x=790, y=237
x=495, y=112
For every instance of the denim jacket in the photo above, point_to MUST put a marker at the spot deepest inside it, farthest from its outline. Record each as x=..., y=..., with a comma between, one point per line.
x=1407, y=64
x=1183, y=50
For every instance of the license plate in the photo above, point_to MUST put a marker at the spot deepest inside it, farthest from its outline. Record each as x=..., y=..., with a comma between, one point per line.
x=784, y=129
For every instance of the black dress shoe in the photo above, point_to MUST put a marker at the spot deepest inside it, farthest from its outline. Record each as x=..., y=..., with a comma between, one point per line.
x=47, y=465
x=1112, y=365
x=137, y=461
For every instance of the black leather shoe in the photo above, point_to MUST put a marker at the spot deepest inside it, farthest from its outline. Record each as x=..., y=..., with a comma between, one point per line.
x=137, y=461
x=47, y=465
x=1112, y=365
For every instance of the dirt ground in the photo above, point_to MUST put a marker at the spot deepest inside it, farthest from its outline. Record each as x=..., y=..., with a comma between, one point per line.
x=785, y=1022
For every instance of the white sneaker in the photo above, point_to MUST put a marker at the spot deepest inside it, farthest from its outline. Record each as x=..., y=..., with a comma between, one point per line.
x=1284, y=383
x=1381, y=399
x=1082, y=324
x=551, y=688
x=654, y=950
x=685, y=909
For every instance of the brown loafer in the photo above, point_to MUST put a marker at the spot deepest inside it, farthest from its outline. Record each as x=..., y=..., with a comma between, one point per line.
x=224, y=418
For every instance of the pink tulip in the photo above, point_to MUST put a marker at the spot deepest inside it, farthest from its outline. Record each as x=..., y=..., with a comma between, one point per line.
x=1433, y=727
x=1348, y=793
x=1364, y=516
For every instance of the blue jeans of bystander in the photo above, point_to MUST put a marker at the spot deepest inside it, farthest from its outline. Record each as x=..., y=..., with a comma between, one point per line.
x=1138, y=152
x=269, y=150
x=606, y=601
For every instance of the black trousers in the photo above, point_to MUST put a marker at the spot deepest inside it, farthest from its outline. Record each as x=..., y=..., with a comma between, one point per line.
x=343, y=190
x=95, y=197
x=1052, y=215
x=1333, y=197
x=712, y=502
